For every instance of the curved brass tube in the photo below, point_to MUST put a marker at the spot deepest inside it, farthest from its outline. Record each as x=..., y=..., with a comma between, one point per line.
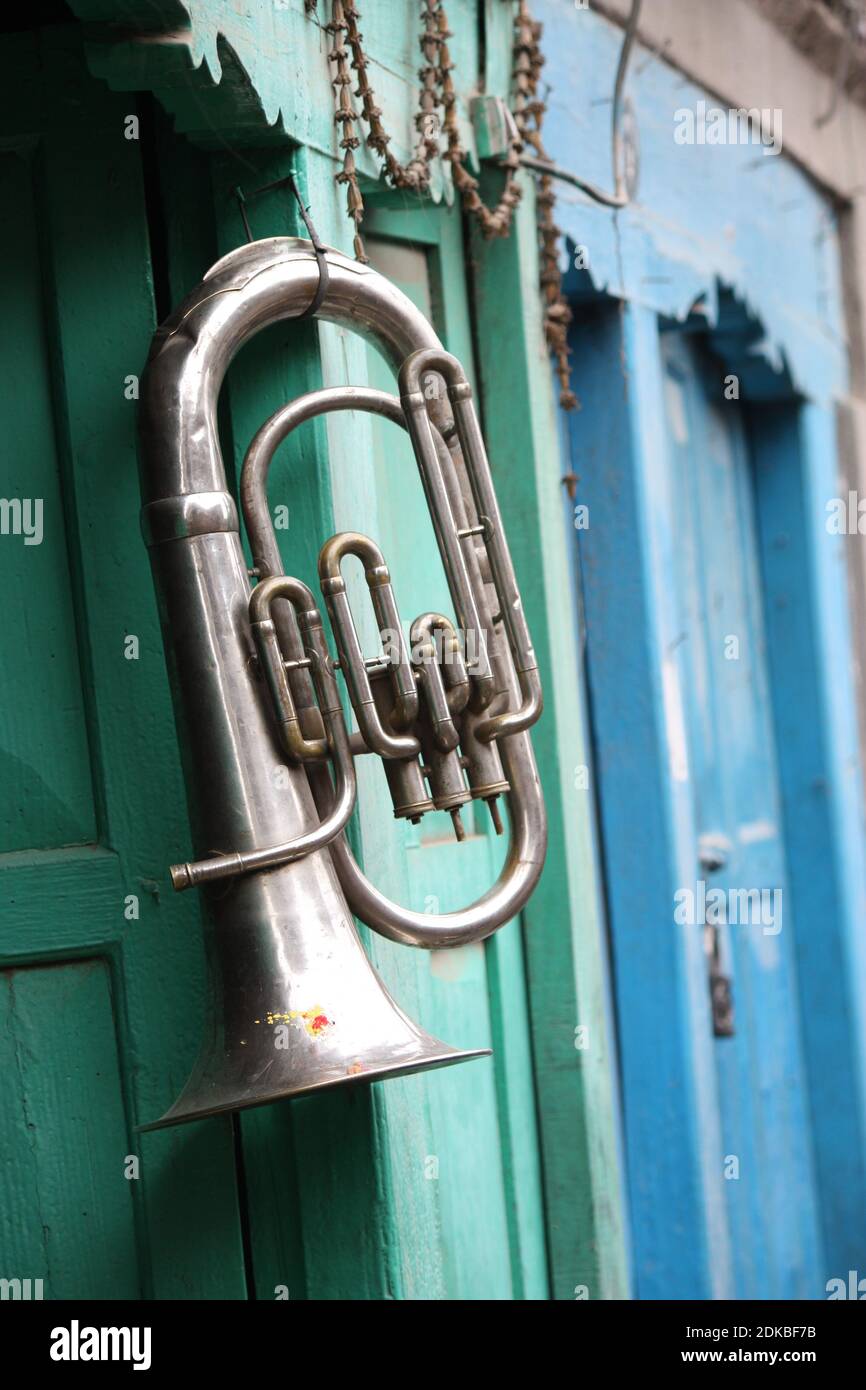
x=414, y=403
x=444, y=699
x=405, y=710
x=440, y=489
x=343, y=795
x=525, y=858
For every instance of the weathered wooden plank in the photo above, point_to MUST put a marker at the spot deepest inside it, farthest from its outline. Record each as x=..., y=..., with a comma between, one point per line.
x=60, y=903
x=454, y=991
x=733, y=770
x=563, y=926
x=511, y=1040
x=808, y=651
x=66, y=1209
x=628, y=553
x=46, y=796
x=260, y=75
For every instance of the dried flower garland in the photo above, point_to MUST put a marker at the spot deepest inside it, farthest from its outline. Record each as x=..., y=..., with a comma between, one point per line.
x=438, y=93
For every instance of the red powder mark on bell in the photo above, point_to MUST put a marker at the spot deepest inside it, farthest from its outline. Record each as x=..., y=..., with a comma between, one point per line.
x=319, y=1022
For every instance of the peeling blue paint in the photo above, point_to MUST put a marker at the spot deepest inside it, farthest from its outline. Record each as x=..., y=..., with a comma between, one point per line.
x=748, y=220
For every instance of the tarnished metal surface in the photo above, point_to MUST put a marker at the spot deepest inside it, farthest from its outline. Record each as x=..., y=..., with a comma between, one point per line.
x=282, y=947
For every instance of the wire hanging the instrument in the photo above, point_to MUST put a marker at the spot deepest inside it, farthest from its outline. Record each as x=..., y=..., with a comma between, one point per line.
x=290, y=182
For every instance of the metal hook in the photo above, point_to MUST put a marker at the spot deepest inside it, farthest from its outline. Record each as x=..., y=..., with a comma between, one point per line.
x=321, y=257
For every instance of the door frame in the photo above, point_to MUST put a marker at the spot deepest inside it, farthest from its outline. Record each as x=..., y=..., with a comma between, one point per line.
x=565, y=934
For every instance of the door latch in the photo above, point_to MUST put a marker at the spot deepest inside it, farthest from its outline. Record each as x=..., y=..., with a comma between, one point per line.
x=713, y=855
x=721, y=990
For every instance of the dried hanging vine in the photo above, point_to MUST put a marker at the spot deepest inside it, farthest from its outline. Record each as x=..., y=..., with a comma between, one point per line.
x=416, y=174
x=346, y=119
x=529, y=110
x=493, y=221
x=438, y=93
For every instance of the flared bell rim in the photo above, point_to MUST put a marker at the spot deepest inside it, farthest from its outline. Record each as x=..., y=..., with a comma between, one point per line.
x=377, y=1073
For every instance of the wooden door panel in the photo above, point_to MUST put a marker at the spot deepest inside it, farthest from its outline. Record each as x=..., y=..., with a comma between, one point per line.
x=732, y=758
x=46, y=795
x=69, y=1219
x=482, y=1116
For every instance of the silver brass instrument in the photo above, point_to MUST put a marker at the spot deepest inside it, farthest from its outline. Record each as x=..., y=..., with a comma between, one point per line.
x=294, y=1004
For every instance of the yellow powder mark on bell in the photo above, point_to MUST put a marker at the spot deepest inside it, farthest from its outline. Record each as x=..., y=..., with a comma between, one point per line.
x=315, y=1020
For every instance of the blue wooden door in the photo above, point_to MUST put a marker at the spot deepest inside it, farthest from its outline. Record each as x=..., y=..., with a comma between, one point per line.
x=694, y=793
x=739, y=892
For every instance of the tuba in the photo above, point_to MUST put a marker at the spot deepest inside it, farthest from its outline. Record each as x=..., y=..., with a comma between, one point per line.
x=294, y=1005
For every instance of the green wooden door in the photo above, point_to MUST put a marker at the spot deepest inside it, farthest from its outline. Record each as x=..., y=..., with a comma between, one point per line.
x=424, y=1187
x=100, y=967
